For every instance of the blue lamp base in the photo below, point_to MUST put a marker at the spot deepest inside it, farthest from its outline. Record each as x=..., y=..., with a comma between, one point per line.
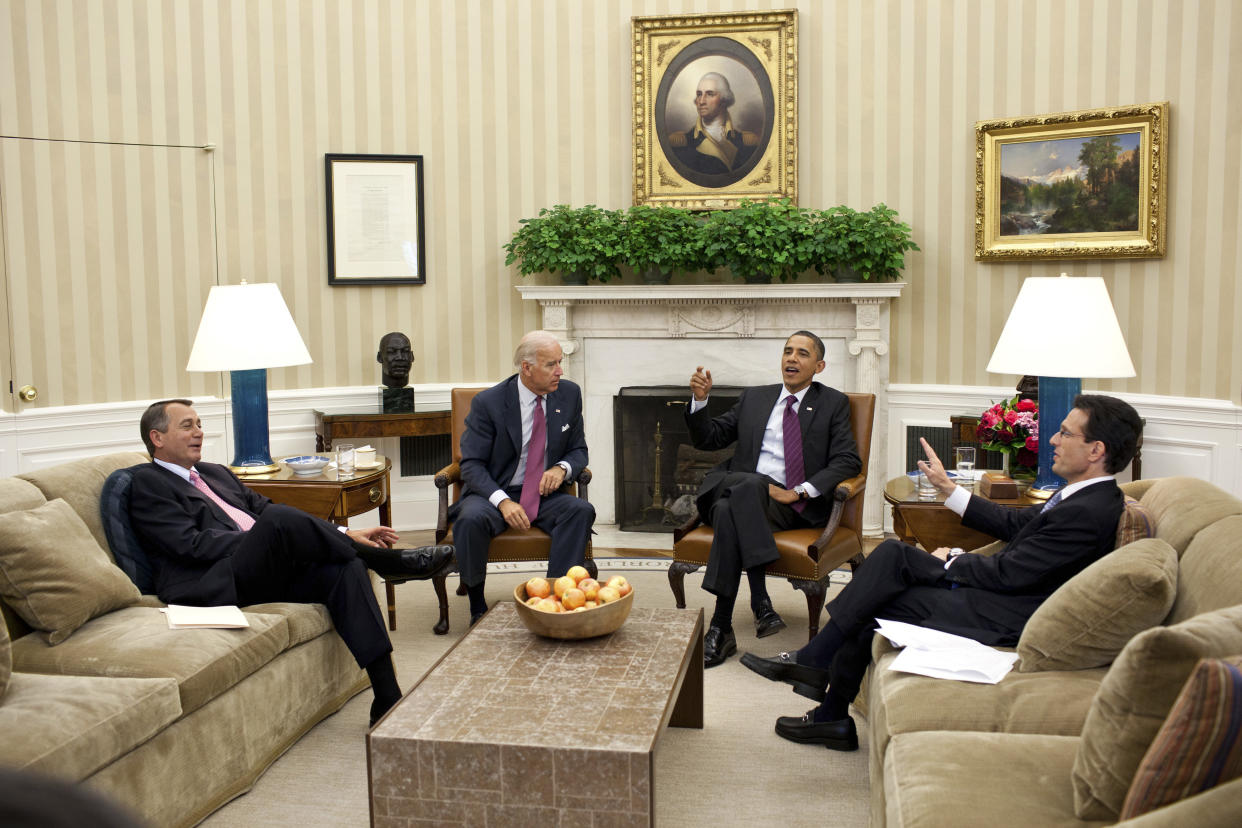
x=250, y=447
x=1056, y=399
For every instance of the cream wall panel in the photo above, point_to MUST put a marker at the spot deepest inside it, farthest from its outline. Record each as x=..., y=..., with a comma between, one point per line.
x=519, y=104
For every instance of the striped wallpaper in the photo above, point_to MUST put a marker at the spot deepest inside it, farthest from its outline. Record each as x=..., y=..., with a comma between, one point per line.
x=116, y=221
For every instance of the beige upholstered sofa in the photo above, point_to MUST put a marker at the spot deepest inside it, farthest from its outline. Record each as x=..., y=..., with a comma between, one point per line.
x=171, y=723
x=1058, y=741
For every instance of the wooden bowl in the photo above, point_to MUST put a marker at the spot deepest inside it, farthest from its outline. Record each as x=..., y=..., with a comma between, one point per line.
x=601, y=620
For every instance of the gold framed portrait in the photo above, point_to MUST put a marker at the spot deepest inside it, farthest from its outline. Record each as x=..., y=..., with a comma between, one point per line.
x=1089, y=184
x=715, y=108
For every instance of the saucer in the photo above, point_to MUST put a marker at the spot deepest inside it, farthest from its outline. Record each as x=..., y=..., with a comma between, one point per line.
x=377, y=464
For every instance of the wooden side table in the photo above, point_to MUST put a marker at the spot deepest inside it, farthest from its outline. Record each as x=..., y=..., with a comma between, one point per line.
x=328, y=496
x=329, y=427
x=930, y=524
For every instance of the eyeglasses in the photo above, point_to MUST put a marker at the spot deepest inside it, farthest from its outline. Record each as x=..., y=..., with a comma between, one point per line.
x=1065, y=435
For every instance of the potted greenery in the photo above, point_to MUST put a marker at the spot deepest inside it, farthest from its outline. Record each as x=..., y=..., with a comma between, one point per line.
x=659, y=241
x=826, y=241
x=758, y=241
x=878, y=242
x=577, y=242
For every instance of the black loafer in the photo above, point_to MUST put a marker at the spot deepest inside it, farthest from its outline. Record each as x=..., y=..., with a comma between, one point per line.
x=837, y=735
x=718, y=646
x=810, y=682
x=425, y=561
x=767, y=621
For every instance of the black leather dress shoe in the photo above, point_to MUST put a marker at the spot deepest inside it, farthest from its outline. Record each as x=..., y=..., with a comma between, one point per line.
x=425, y=561
x=810, y=682
x=836, y=735
x=767, y=621
x=718, y=646
x=477, y=617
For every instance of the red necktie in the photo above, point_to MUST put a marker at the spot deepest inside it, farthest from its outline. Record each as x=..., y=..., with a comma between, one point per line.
x=243, y=520
x=794, y=473
x=534, y=462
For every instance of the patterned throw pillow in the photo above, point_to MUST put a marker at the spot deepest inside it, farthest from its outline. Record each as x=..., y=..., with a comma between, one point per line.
x=1135, y=524
x=1199, y=746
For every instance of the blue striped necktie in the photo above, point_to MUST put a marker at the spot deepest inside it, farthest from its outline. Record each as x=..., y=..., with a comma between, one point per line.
x=1053, y=501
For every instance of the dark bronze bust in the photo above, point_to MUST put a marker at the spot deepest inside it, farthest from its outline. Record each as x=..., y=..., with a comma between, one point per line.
x=396, y=357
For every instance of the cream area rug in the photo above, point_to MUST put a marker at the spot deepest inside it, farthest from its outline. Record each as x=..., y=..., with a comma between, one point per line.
x=735, y=771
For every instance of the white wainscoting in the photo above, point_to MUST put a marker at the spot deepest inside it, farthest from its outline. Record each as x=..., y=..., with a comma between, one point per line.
x=1184, y=436
x=1194, y=437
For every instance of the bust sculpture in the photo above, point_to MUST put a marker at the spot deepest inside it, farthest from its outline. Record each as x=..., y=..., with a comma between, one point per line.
x=395, y=356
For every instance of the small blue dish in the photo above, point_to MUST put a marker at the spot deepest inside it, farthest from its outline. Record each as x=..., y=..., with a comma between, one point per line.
x=307, y=464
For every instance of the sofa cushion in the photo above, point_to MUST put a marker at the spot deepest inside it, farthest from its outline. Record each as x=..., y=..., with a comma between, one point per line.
x=306, y=621
x=53, y=573
x=17, y=495
x=1182, y=506
x=1135, y=523
x=1210, y=575
x=6, y=660
x=136, y=642
x=80, y=482
x=1133, y=701
x=1090, y=618
x=72, y=726
x=126, y=550
x=1198, y=746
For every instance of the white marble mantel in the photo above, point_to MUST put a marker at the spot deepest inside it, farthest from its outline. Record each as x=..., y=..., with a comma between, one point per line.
x=631, y=335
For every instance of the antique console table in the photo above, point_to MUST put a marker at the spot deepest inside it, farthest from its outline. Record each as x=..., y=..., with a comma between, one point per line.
x=329, y=427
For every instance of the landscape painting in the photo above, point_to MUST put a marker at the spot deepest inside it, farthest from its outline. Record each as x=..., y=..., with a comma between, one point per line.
x=1071, y=185
x=1088, y=184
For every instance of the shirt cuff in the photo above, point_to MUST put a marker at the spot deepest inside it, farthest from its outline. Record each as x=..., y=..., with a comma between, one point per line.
x=498, y=496
x=811, y=491
x=569, y=470
x=957, y=500
x=696, y=405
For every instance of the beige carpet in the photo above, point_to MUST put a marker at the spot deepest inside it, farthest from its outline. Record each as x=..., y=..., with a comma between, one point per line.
x=735, y=771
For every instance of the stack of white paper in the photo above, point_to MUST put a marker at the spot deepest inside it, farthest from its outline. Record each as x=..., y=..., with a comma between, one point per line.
x=196, y=618
x=943, y=655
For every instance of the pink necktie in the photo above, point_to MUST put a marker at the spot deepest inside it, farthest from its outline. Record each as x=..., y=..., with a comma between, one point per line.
x=794, y=473
x=243, y=520
x=534, y=462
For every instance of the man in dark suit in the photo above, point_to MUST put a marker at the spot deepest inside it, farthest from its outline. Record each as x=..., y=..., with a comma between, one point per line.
x=213, y=541
x=987, y=598
x=533, y=413
x=794, y=445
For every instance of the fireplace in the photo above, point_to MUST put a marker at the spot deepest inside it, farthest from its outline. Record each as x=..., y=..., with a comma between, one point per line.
x=658, y=470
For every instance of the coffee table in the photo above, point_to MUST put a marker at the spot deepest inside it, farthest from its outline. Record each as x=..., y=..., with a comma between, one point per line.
x=510, y=728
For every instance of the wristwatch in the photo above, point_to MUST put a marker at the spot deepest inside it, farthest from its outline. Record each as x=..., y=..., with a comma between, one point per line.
x=800, y=491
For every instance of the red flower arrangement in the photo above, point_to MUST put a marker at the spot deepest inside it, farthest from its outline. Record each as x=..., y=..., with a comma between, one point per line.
x=1012, y=426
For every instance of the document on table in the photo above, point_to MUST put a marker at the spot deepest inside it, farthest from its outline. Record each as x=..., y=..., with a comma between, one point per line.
x=944, y=655
x=197, y=618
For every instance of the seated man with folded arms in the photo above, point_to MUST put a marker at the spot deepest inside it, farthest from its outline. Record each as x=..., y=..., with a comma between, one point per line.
x=986, y=598
x=213, y=541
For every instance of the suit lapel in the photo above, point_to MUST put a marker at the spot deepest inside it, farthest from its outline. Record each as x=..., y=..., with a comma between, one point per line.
x=513, y=417
x=806, y=412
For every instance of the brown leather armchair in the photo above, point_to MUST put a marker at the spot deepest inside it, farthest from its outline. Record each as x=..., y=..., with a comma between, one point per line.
x=510, y=545
x=808, y=556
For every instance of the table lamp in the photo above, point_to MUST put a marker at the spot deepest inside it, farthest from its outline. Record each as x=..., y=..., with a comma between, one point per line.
x=245, y=330
x=1061, y=328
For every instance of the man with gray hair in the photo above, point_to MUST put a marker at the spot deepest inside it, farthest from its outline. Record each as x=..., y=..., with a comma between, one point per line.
x=712, y=146
x=524, y=440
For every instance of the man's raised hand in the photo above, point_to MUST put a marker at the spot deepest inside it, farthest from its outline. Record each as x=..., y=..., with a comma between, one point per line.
x=701, y=383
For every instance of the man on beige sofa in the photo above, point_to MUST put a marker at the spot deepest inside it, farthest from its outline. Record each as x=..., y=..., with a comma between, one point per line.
x=214, y=541
x=987, y=598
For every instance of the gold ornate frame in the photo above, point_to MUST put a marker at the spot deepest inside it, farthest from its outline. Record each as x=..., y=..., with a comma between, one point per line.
x=1147, y=240
x=760, y=49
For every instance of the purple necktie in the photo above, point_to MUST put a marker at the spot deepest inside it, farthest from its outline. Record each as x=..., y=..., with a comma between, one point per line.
x=794, y=473
x=243, y=520
x=534, y=462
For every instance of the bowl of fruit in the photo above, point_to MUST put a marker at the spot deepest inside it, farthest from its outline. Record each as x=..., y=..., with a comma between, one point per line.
x=574, y=605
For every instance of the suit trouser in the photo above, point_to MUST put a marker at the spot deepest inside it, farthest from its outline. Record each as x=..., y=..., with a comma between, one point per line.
x=566, y=518
x=899, y=582
x=743, y=518
x=289, y=555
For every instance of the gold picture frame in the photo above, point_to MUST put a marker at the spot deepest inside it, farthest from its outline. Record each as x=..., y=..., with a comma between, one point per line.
x=752, y=61
x=1089, y=184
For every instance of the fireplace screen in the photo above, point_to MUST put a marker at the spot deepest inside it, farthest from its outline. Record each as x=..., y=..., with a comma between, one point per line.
x=658, y=470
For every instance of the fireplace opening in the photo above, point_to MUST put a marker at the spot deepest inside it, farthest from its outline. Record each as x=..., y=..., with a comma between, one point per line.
x=658, y=471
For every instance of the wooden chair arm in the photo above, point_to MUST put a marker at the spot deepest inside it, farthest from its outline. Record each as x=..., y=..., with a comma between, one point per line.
x=687, y=527
x=444, y=479
x=846, y=490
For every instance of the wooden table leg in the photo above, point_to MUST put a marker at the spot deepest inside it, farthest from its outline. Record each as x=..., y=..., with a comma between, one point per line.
x=688, y=709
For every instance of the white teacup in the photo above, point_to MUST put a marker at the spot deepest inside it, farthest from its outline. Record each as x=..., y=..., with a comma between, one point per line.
x=364, y=457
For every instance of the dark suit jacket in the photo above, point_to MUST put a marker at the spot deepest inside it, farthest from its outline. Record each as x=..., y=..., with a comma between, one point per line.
x=188, y=537
x=829, y=454
x=492, y=444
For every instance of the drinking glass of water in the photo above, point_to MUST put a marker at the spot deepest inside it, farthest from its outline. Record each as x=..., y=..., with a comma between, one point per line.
x=965, y=456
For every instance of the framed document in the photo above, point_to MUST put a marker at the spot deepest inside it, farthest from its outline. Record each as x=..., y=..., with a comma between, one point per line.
x=375, y=220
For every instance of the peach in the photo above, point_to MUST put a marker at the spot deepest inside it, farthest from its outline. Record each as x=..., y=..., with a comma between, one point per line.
x=620, y=584
x=590, y=588
x=608, y=594
x=547, y=605
x=573, y=599
x=563, y=583
x=578, y=573
x=538, y=588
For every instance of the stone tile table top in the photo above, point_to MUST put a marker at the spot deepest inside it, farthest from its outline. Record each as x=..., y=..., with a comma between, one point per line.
x=508, y=728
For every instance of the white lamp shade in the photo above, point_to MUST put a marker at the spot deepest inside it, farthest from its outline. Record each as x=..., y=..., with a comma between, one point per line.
x=245, y=327
x=1062, y=326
